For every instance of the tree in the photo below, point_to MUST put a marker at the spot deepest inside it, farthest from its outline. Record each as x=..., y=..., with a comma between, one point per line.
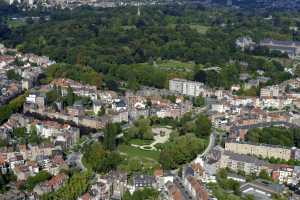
x=140, y=130
x=96, y=158
x=144, y=127
x=101, y=111
x=33, y=136
x=5, y=179
x=180, y=150
x=200, y=76
x=297, y=71
x=203, y=126
x=52, y=96
x=20, y=134
x=275, y=136
x=74, y=187
x=70, y=97
x=110, y=133
x=32, y=181
x=147, y=193
x=3, y=142
x=198, y=101
x=92, y=156
x=111, y=83
x=110, y=162
x=12, y=75
x=80, y=73
x=263, y=174
x=13, y=106
x=133, y=84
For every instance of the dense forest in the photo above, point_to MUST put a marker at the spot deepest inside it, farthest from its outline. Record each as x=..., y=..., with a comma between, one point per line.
x=122, y=45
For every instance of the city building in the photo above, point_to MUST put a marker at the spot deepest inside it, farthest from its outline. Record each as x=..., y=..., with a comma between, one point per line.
x=239, y=162
x=245, y=43
x=195, y=188
x=270, y=91
x=185, y=87
x=261, y=189
x=141, y=181
x=265, y=151
x=291, y=48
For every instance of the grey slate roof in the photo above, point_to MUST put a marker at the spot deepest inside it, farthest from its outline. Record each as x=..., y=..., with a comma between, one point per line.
x=245, y=158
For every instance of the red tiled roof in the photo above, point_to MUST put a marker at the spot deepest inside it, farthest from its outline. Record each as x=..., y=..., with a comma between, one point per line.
x=2, y=159
x=58, y=160
x=158, y=173
x=197, y=187
x=86, y=196
x=56, y=180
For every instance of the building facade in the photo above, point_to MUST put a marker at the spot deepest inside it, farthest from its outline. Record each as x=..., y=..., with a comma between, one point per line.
x=185, y=87
x=265, y=151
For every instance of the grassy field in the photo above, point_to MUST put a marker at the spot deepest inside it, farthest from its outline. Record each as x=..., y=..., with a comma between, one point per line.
x=199, y=28
x=15, y=23
x=128, y=27
x=169, y=65
x=138, y=153
x=140, y=142
x=175, y=64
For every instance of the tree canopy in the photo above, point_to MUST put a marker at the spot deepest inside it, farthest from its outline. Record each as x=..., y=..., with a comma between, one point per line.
x=276, y=136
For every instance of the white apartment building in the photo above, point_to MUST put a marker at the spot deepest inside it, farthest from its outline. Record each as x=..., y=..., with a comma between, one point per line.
x=270, y=91
x=186, y=87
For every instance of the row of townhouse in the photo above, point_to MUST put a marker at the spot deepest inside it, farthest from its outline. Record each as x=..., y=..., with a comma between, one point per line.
x=78, y=88
x=110, y=186
x=195, y=188
x=22, y=65
x=62, y=135
x=117, y=110
x=114, y=184
x=173, y=192
x=51, y=185
x=24, y=165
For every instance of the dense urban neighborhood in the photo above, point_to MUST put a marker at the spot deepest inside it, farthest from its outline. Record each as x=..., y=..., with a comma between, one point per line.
x=162, y=100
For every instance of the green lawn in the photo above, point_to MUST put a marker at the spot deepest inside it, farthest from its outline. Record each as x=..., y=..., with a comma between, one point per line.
x=15, y=23
x=199, y=28
x=175, y=64
x=168, y=64
x=140, y=142
x=139, y=153
x=128, y=27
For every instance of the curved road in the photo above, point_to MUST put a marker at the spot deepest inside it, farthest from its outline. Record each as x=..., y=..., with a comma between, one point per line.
x=212, y=140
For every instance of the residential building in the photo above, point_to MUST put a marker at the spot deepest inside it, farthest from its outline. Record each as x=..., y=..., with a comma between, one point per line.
x=245, y=43
x=265, y=151
x=283, y=173
x=239, y=162
x=141, y=181
x=270, y=91
x=118, y=183
x=261, y=189
x=291, y=48
x=174, y=193
x=52, y=185
x=195, y=188
x=185, y=87
x=236, y=177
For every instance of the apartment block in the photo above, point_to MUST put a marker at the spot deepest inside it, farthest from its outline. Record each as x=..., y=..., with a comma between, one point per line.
x=266, y=151
x=185, y=87
x=240, y=162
